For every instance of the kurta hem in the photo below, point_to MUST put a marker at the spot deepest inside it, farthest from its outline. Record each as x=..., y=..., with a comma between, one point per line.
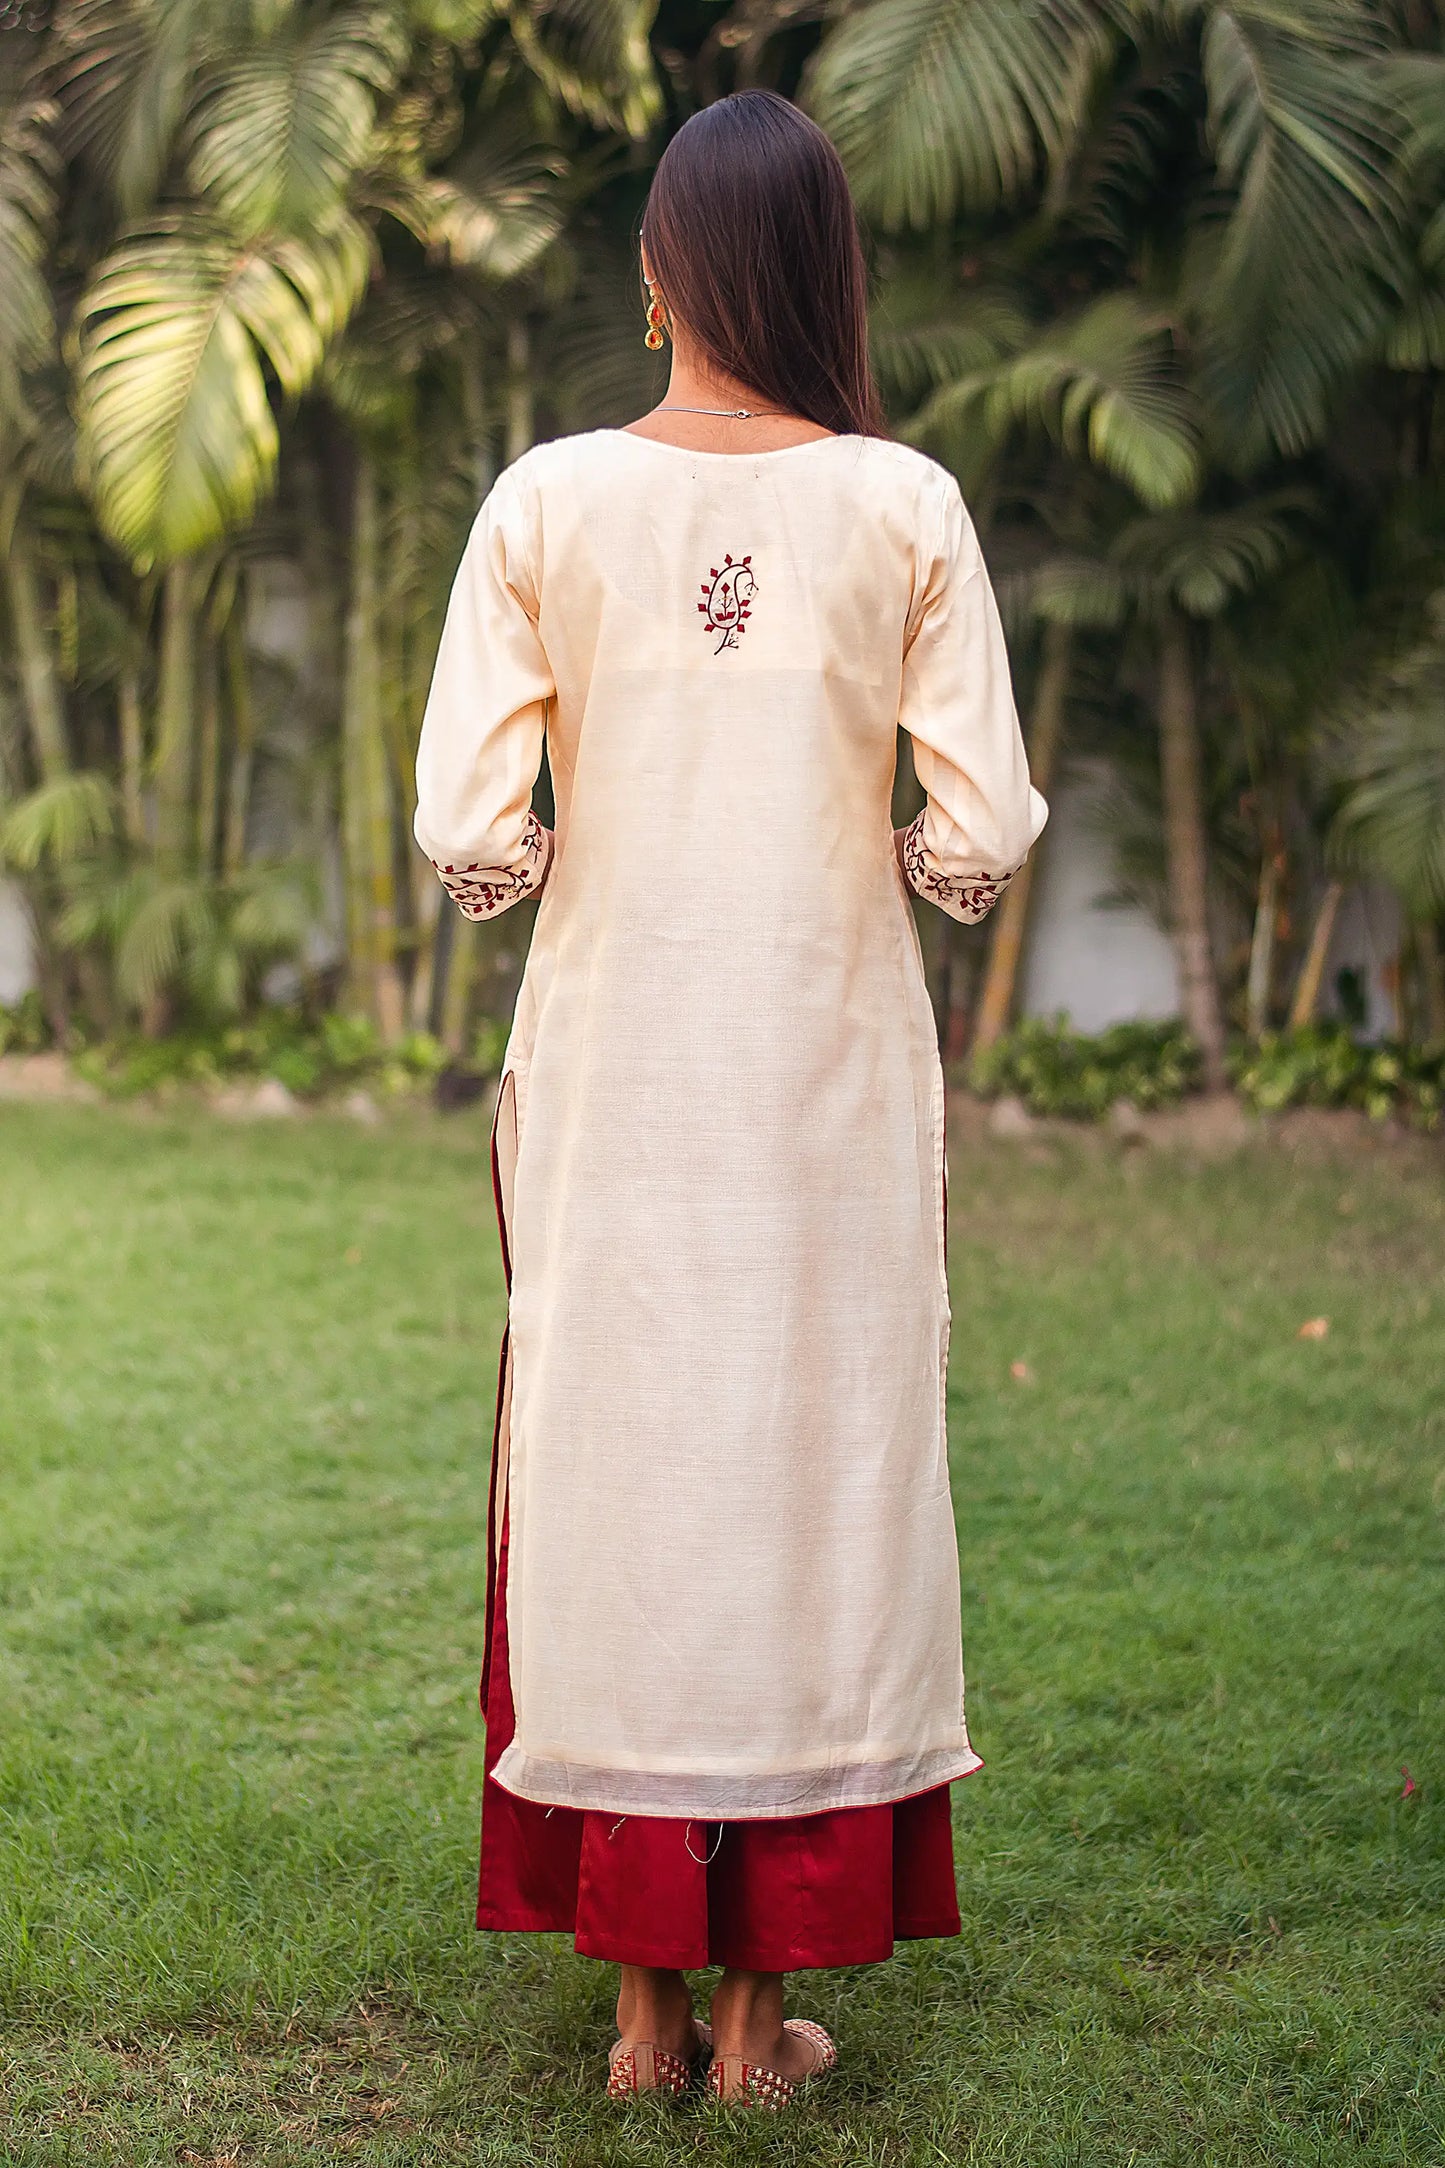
x=711, y=1797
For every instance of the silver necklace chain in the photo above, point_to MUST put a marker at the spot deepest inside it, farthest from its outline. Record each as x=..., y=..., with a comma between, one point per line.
x=727, y=414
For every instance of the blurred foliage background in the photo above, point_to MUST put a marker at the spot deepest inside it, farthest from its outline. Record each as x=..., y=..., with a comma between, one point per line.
x=283, y=285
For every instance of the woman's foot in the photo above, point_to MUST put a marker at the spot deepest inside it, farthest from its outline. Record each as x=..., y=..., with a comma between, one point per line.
x=656, y=2006
x=747, y=2024
x=661, y=2042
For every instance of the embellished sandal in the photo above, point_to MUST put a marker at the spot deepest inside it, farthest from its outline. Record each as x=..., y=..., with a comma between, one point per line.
x=636, y=2066
x=732, y=2078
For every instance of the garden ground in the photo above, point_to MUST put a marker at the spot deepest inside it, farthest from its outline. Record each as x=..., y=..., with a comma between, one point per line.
x=246, y=1381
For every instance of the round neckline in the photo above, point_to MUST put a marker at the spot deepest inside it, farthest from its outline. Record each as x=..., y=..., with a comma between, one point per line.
x=776, y=451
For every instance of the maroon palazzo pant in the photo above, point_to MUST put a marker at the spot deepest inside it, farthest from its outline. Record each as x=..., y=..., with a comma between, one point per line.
x=768, y=1896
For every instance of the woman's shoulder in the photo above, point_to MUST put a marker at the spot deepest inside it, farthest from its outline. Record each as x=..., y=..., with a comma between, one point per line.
x=912, y=472
x=559, y=457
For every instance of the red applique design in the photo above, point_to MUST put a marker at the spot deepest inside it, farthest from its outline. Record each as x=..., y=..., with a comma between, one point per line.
x=965, y=896
x=482, y=891
x=727, y=602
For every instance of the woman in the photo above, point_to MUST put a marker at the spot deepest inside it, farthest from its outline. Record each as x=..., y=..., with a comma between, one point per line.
x=724, y=1684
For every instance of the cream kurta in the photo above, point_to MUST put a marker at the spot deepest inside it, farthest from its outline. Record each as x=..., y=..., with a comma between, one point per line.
x=733, y=1580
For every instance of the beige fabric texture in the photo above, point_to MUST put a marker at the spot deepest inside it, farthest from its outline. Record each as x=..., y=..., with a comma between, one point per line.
x=733, y=1587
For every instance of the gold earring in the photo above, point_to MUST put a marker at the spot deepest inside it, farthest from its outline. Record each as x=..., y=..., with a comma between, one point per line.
x=655, y=318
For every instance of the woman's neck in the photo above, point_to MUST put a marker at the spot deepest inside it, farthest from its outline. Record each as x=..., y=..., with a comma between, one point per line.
x=699, y=412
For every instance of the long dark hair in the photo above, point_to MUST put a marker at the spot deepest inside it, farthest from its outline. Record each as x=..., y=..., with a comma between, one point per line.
x=753, y=243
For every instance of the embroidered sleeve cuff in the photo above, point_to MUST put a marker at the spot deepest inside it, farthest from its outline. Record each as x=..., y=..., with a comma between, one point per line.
x=484, y=891
x=967, y=897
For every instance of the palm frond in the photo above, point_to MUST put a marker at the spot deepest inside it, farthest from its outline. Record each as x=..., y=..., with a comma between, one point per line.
x=455, y=20
x=1103, y=385
x=30, y=169
x=497, y=210
x=926, y=331
x=124, y=72
x=937, y=105
x=1391, y=755
x=170, y=916
x=1080, y=590
x=61, y=821
x=176, y=426
x=1417, y=337
x=1129, y=161
x=1305, y=270
x=1199, y=562
x=281, y=127
x=599, y=372
x=275, y=908
x=595, y=56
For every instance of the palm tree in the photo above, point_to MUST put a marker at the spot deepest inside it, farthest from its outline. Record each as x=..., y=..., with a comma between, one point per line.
x=1171, y=573
x=265, y=171
x=1291, y=234
x=1101, y=385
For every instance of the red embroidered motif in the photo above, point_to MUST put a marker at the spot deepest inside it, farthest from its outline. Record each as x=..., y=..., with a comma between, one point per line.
x=482, y=891
x=727, y=602
x=965, y=896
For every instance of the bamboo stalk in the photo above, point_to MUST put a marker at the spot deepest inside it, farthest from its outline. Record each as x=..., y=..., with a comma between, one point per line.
x=1181, y=771
x=459, y=980
x=132, y=756
x=1011, y=915
x=1432, y=977
x=371, y=881
x=39, y=679
x=243, y=743
x=208, y=760
x=1312, y=970
x=175, y=696
x=521, y=414
x=1261, y=947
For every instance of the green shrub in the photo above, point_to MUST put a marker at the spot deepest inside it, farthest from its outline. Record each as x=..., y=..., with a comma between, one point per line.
x=24, y=1027
x=1062, y=1072
x=1325, y=1067
x=309, y=1059
x=490, y=1045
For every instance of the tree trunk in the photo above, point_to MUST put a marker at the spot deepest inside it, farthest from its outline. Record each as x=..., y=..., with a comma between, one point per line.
x=443, y=942
x=1011, y=915
x=132, y=757
x=1312, y=970
x=208, y=747
x=1187, y=848
x=243, y=743
x=478, y=422
x=1261, y=948
x=460, y=978
x=175, y=704
x=1432, y=979
x=39, y=680
x=366, y=797
x=521, y=407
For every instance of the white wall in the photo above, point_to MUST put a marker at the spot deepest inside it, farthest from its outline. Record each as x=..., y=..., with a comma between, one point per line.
x=1097, y=965
x=1366, y=938
x=16, y=974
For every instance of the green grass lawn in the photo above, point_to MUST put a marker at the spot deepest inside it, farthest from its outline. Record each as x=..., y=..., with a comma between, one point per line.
x=246, y=1380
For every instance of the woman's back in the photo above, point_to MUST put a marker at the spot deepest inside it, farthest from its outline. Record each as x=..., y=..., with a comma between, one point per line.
x=723, y=1101
x=725, y=640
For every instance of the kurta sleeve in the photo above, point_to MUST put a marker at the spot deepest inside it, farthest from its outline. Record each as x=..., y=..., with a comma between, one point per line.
x=982, y=815
x=481, y=735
